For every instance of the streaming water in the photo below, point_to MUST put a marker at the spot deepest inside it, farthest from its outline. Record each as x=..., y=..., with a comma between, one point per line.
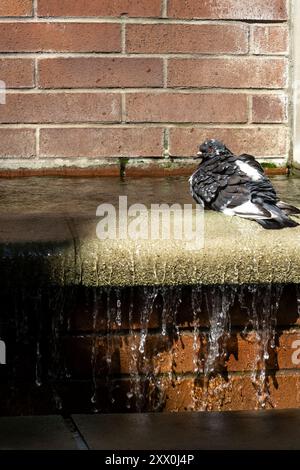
x=146, y=340
x=265, y=305
x=94, y=355
x=298, y=299
x=153, y=326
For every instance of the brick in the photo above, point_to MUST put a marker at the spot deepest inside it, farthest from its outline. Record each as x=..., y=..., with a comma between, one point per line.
x=158, y=355
x=243, y=352
x=229, y=9
x=17, y=73
x=59, y=37
x=256, y=141
x=269, y=108
x=138, y=8
x=16, y=8
x=228, y=73
x=59, y=107
x=236, y=393
x=103, y=142
x=100, y=72
x=289, y=350
x=17, y=143
x=178, y=38
x=165, y=354
x=181, y=107
x=270, y=39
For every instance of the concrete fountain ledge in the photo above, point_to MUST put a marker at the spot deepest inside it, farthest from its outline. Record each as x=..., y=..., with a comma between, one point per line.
x=65, y=250
x=48, y=235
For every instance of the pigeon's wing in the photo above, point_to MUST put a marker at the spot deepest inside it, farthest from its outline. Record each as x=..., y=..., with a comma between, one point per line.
x=252, y=162
x=204, y=187
x=209, y=180
x=235, y=198
x=243, y=193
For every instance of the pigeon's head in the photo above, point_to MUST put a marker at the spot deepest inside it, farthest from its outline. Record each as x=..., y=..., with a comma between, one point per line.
x=210, y=148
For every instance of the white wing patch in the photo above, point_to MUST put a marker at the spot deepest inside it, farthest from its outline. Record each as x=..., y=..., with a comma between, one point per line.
x=247, y=210
x=249, y=170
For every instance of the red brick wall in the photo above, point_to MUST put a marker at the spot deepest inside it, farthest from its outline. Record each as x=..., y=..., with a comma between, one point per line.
x=140, y=78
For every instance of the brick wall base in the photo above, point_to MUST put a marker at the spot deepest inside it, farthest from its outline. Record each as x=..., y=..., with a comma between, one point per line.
x=151, y=349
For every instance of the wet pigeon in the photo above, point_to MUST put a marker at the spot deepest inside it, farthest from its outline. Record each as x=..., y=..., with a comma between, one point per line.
x=237, y=185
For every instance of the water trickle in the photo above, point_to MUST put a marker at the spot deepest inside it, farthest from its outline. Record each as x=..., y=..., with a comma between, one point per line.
x=39, y=327
x=298, y=299
x=219, y=302
x=118, y=307
x=196, y=308
x=165, y=323
x=133, y=355
x=265, y=305
x=94, y=356
x=38, y=366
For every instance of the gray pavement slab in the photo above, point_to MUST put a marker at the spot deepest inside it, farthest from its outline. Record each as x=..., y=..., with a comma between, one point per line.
x=241, y=430
x=35, y=433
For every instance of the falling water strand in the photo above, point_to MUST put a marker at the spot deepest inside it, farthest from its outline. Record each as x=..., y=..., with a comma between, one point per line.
x=298, y=299
x=176, y=294
x=222, y=297
x=109, y=343
x=95, y=312
x=196, y=301
x=39, y=319
x=58, y=369
x=38, y=365
x=118, y=307
x=196, y=309
x=265, y=304
x=219, y=301
x=161, y=380
x=164, y=293
x=133, y=354
x=149, y=295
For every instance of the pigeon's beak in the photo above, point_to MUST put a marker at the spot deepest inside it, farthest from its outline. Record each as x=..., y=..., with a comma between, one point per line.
x=199, y=155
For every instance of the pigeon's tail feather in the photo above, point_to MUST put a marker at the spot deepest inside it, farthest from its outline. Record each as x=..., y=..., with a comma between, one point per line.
x=279, y=219
x=287, y=208
x=275, y=224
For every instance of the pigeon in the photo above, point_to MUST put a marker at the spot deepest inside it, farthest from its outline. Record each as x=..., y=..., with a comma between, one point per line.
x=237, y=185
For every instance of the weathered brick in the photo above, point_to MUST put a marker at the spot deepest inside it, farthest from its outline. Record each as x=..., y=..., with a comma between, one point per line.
x=17, y=73
x=159, y=353
x=186, y=107
x=103, y=142
x=270, y=39
x=100, y=72
x=138, y=8
x=228, y=73
x=262, y=141
x=229, y=9
x=236, y=393
x=164, y=354
x=269, y=108
x=17, y=143
x=61, y=108
x=179, y=38
x=16, y=8
x=60, y=37
x=243, y=352
x=289, y=350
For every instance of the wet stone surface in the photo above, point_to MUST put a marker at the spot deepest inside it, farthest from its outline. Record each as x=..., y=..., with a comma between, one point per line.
x=51, y=231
